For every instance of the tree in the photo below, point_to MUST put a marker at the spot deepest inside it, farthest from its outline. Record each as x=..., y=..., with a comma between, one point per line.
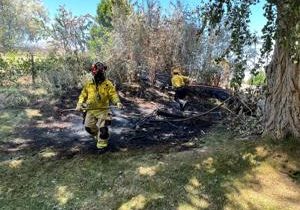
x=282, y=111
x=70, y=33
x=100, y=32
x=109, y=9
x=21, y=22
x=145, y=41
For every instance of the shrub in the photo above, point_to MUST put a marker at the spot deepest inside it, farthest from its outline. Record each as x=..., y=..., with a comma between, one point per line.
x=62, y=73
x=259, y=79
x=210, y=76
x=12, y=66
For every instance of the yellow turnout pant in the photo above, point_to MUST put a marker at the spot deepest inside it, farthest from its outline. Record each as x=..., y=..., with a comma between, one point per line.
x=97, y=125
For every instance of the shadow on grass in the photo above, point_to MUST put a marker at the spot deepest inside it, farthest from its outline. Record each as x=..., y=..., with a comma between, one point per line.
x=213, y=177
x=194, y=179
x=212, y=180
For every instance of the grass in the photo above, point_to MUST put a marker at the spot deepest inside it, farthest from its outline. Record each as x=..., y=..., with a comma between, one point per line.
x=223, y=173
x=12, y=121
x=9, y=120
x=21, y=95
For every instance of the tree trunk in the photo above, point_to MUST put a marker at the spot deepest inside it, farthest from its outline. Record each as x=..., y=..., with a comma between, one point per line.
x=283, y=76
x=283, y=96
x=32, y=69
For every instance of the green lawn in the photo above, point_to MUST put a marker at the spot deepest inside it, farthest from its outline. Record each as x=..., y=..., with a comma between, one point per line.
x=223, y=173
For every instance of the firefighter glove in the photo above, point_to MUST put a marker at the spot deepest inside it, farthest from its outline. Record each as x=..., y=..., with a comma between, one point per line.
x=120, y=105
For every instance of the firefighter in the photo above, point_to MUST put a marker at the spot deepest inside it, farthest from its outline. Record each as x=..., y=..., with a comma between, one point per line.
x=179, y=83
x=96, y=95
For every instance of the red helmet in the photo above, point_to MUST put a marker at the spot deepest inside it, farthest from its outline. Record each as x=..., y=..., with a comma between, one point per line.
x=98, y=67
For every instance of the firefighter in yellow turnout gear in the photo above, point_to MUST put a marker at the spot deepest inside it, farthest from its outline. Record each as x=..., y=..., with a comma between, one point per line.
x=179, y=83
x=179, y=80
x=96, y=95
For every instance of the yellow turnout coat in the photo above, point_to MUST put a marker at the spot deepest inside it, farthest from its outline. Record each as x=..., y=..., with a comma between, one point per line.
x=179, y=81
x=98, y=96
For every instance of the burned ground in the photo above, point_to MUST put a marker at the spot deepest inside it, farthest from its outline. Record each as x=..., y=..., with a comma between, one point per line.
x=140, y=125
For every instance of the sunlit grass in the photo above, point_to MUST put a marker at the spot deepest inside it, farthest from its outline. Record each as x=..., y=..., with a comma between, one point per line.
x=13, y=164
x=30, y=113
x=148, y=171
x=48, y=153
x=227, y=174
x=62, y=195
x=137, y=202
x=265, y=188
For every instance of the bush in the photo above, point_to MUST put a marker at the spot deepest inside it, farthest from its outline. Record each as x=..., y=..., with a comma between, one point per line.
x=13, y=97
x=52, y=71
x=210, y=76
x=12, y=66
x=259, y=79
x=62, y=73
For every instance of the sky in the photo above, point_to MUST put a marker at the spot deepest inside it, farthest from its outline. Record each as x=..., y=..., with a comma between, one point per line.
x=81, y=7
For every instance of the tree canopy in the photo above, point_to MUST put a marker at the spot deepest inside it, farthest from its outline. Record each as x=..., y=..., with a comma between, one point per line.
x=282, y=24
x=70, y=32
x=21, y=21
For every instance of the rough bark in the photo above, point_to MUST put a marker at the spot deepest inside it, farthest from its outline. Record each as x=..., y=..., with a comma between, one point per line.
x=282, y=114
x=283, y=96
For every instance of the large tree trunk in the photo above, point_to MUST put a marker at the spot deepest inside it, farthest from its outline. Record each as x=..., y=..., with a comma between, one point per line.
x=283, y=96
x=283, y=76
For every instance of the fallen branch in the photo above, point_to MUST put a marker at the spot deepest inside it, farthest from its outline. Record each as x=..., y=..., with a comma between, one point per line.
x=168, y=114
x=202, y=114
x=146, y=117
x=229, y=110
x=245, y=105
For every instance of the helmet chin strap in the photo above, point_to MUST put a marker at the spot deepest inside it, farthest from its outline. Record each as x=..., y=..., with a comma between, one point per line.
x=99, y=77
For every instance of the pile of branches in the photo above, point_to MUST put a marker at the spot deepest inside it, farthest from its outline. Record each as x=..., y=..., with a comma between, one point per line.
x=241, y=112
x=246, y=112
